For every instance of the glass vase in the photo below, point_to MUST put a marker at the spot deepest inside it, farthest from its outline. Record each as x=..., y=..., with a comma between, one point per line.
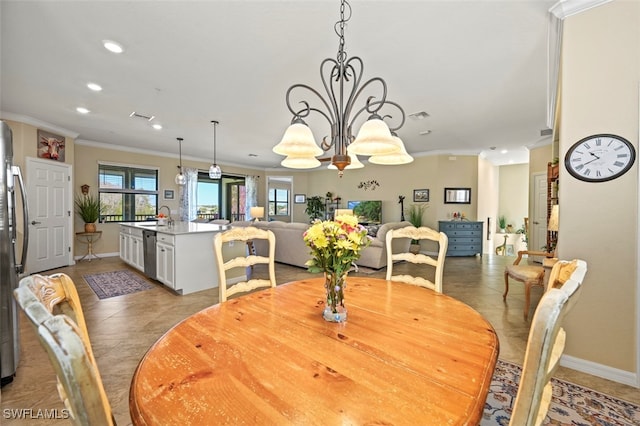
x=334, y=285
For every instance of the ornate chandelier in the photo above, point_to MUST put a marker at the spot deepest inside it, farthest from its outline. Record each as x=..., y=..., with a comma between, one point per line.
x=341, y=77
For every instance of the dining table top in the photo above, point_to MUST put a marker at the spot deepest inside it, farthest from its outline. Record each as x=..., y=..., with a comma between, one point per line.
x=406, y=355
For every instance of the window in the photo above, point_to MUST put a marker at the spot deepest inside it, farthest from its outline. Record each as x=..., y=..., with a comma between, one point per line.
x=278, y=202
x=127, y=194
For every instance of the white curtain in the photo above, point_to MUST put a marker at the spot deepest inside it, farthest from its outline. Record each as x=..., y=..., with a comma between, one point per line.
x=251, y=185
x=188, y=209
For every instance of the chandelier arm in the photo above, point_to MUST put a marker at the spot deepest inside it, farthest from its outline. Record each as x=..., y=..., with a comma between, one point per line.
x=368, y=103
x=328, y=87
x=307, y=107
x=382, y=104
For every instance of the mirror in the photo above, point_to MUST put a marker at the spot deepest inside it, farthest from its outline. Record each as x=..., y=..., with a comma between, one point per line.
x=457, y=195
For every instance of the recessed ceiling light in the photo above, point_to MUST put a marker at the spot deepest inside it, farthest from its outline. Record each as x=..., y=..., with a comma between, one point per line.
x=425, y=132
x=82, y=110
x=95, y=87
x=157, y=126
x=112, y=46
x=504, y=151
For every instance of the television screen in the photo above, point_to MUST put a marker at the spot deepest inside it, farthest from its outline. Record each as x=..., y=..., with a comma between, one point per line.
x=368, y=212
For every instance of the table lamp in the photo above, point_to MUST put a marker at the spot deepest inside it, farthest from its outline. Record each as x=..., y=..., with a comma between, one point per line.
x=256, y=213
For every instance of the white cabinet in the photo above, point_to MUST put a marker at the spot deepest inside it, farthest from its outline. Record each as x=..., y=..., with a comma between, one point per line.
x=132, y=247
x=165, y=260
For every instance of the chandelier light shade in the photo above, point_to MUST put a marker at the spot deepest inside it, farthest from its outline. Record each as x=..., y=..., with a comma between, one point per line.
x=181, y=179
x=374, y=138
x=393, y=159
x=298, y=141
x=293, y=162
x=215, y=172
x=346, y=98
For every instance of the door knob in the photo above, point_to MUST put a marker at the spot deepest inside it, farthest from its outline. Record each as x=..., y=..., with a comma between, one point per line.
x=33, y=222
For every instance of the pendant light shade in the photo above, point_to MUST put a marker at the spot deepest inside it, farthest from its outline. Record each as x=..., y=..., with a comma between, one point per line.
x=215, y=172
x=181, y=179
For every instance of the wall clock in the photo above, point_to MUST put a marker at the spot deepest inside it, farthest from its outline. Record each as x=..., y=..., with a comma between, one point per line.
x=600, y=158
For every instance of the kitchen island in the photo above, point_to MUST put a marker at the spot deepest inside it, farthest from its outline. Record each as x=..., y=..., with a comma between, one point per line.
x=179, y=256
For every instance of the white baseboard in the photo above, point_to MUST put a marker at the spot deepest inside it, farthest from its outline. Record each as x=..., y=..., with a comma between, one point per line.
x=600, y=370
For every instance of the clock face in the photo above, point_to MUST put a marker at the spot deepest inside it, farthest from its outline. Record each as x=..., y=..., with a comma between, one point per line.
x=600, y=158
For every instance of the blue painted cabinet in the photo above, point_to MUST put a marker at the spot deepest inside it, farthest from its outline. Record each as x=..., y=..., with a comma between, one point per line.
x=465, y=238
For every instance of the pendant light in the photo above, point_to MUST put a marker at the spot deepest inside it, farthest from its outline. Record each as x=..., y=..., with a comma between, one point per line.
x=181, y=179
x=214, y=171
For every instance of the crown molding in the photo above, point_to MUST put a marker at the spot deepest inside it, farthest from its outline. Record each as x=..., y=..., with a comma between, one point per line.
x=39, y=124
x=565, y=8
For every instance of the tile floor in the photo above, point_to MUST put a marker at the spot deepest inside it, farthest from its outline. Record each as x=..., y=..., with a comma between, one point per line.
x=122, y=329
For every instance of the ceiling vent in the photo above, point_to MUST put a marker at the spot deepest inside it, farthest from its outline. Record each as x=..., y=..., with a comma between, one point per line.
x=546, y=132
x=138, y=115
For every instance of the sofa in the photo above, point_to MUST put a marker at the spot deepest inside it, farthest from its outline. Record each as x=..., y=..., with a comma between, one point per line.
x=292, y=250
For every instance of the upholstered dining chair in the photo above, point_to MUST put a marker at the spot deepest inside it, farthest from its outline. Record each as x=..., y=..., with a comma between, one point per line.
x=65, y=338
x=421, y=233
x=244, y=235
x=545, y=344
x=529, y=275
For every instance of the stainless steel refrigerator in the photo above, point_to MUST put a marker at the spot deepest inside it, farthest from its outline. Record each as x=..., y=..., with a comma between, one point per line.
x=10, y=268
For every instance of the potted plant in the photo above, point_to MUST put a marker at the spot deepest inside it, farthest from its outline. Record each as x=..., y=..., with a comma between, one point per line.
x=88, y=208
x=315, y=207
x=415, y=218
x=502, y=223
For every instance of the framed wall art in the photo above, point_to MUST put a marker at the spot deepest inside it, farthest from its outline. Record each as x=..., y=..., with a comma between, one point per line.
x=300, y=198
x=168, y=194
x=420, y=195
x=50, y=145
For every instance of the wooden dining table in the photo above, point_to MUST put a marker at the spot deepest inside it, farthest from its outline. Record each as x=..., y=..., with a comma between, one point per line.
x=406, y=355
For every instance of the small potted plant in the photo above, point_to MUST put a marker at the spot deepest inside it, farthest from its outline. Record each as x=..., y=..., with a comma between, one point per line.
x=502, y=224
x=415, y=218
x=315, y=207
x=88, y=208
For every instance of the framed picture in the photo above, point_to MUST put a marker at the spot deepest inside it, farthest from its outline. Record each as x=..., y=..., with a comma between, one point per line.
x=168, y=194
x=299, y=198
x=457, y=195
x=50, y=146
x=420, y=195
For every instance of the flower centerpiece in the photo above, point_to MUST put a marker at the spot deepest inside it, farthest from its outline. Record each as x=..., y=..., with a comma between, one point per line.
x=335, y=245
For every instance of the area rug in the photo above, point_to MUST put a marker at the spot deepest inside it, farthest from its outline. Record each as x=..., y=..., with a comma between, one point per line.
x=116, y=283
x=570, y=405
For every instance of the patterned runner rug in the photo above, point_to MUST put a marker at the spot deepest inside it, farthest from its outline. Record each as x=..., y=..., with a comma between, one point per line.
x=570, y=405
x=116, y=283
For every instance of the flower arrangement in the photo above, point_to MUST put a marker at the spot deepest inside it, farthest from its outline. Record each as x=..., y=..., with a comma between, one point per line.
x=335, y=245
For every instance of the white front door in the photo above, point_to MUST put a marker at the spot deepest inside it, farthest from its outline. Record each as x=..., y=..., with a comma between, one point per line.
x=50, y=207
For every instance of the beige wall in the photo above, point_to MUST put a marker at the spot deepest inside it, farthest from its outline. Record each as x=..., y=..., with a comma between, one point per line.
x=599, y=221
x=428, y=172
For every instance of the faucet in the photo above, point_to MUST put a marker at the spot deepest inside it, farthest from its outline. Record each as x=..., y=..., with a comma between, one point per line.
x=170, y=219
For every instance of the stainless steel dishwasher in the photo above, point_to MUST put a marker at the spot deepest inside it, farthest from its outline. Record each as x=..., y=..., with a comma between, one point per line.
x=149, y=238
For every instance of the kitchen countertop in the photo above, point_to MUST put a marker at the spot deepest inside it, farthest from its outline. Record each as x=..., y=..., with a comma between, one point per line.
x=178, y=227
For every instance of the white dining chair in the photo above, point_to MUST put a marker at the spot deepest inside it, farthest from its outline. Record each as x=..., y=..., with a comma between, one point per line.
x=247, y=236
x=545, y=344
x=417, y=234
